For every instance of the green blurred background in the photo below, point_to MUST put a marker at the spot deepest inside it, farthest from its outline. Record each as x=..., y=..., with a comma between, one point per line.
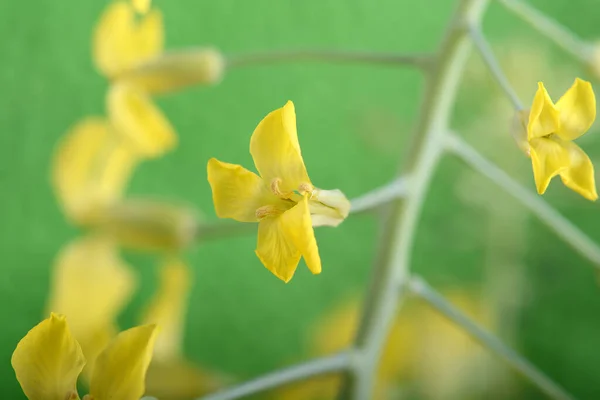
x=353, y=123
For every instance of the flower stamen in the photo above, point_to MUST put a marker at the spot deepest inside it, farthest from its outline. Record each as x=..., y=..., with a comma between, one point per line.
x=306, y=188
x=266, y=211
x=277, y=190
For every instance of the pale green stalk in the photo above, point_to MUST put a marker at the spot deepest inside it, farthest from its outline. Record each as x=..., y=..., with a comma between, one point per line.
x=548, y=27
x=563, y=228
x=419, y=287
x=392, y=266
x=487, y=55
x=329, y=56
x=319, y=366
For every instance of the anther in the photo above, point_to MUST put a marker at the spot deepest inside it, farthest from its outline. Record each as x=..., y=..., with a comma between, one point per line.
x=265, y=211
x=306, y=188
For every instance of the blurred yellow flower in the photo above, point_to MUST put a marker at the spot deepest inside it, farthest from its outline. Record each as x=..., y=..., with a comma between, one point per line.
x=171, y=376
x=281, y=200
x=91, y=285
x=425, y=356
x=48, y=360
x=123, y=41
x=550, y=132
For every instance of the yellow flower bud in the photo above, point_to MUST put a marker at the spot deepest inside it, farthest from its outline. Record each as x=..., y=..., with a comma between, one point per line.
x=149, y=225
x=328, y=207
x=518, y=129
x=177, y=70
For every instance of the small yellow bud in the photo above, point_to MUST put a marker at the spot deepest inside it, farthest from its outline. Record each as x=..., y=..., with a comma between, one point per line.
x=177, y=70
x=518, y=129
x=328, y=207
x=149, y=225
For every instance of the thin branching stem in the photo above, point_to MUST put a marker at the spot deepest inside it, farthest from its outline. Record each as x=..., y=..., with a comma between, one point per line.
x=419, y=287
x=563, y=228
x=319, y=366
x=377, y=197
x=392, y=265
x=483, y=47
x=548, y=27
x=421, y=61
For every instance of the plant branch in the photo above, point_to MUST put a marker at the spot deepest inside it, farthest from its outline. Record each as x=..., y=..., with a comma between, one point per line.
x=392, y=266
x=490, y=60
x=398, y=188
x=419, y=287
x=324, y=365
x=331, y=56
x=548, y=27
x=563, y=228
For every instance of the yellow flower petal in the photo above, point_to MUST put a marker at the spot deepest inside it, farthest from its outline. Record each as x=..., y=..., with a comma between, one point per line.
x=543, y=117
x=141, y=6
x=120, y=369
x=168, y=309
x=298, y=228
x=237, y=192
x=93, y=342
x=91, y=168
x=139, y=121
x=275, y=249
x=121, y=42
x=549, y=157
x=90, y=284
x=275, y=149
x=47, y=361
x=580, y=174
x=577, y=109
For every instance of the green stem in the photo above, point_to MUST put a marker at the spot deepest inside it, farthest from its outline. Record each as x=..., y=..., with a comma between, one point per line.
x=556, y=32
x=391, y=269
x=319, y=366
x=487, y=55
x=331, y=56
x=563, y=228
x=419, y=287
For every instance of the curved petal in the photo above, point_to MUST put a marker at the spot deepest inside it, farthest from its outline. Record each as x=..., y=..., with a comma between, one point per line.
x=120, y=369
x=121, y=42
x=91, y=168
x=298, y=228
x=90, y=284
x=237, y=192
x=549, y=157
x=579, y=177
x=577, y=108
x=275, y=249
x=275, y=149
x=168, y=309
x=47, y=361
x=543, y=117
x=139, y=121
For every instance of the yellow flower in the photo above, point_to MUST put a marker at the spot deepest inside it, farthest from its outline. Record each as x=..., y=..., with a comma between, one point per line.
x=124, y=40
x=171, y=376
x=550, y=133
x=281, y=200
x=48, y=360
x=91, y=285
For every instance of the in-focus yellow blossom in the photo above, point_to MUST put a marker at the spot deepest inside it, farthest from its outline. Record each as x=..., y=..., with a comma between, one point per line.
x=281, y=199
x=171, y=376
x=551, y=130
x=48, y=360
x=91, y=285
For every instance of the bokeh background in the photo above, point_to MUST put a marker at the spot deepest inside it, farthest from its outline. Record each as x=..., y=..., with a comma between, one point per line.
x=354, y=122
